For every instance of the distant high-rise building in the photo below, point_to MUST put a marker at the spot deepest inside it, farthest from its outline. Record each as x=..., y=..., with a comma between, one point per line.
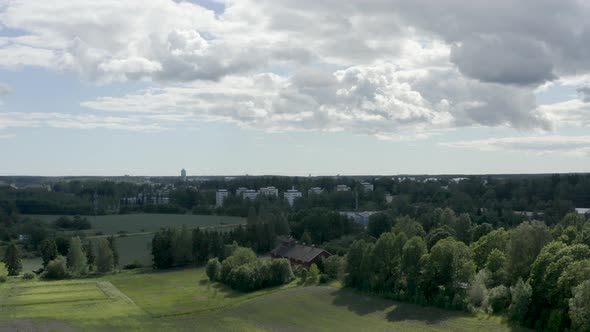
x=183, y=174
x=269, y=191
x=220, y=197
x=291, y=195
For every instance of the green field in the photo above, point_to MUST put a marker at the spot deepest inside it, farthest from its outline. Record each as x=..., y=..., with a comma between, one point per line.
x=184, y=300
x=147, y=222
x=139, y=229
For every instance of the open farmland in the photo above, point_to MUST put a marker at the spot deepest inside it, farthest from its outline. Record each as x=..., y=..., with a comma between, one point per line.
x=184, y=300
x=139, y=229
x=147, y=222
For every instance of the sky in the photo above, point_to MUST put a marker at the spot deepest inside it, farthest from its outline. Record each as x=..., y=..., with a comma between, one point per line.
x=322, y=87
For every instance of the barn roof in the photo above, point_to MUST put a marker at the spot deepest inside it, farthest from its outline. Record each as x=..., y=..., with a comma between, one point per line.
x=297, y=252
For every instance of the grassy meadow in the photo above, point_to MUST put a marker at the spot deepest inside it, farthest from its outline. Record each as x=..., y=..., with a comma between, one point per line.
x=184, y=300
x=138, y=229
x=148, y=222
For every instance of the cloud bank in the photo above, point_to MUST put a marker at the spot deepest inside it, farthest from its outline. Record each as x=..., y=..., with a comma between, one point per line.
x=391, y=69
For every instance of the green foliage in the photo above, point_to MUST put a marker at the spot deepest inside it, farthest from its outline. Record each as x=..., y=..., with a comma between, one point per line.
x=306, y=238
x=48, y=251
x=244, y=272
x=3, y=271
x=379, y=223
x=412, y=252
x=498, y=298
x=334, y=266
x=579, y=307
x=313, y=275
x=240, y=256
x=438, y=234
x=56, y=269
x=113, y=246
x=105, y=261
x=76, y=260
x=526, y=241
x=463, y=228
x=28, y=276
x=213, y=269
x=89, y=252
x=477, y=292
x=408, y=226
x=450, y=266
x=495, y=240
x=496, y=265
x=521, y=294
x=12, y=259
x=354, y=261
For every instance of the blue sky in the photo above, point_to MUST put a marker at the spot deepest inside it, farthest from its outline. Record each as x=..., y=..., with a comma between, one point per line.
x=273, y=87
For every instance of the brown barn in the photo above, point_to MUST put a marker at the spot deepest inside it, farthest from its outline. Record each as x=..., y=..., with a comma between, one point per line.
x=299, y=254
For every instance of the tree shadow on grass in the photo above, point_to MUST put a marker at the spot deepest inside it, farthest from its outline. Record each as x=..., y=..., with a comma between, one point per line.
x=428, y=315
x=359, y=303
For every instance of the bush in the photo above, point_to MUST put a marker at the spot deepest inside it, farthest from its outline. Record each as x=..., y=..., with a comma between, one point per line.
x=324, y=278
x=135, y=265
x=28, y=275
x=213, y=269
x=3, y=279
x=56, y=269
x=499, y=298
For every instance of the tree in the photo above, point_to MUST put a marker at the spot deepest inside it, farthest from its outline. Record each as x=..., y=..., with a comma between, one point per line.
x=498, y=298
x=521, y=294
x=252, y=219
x=379, y=223
x=449, y=265
x=76, y=261
x=497, y=239
x=478, y=291
x=12, y=260
x=579, y=307
x=496, y=265
x=354, y=260
x=89, y=251
x=306, y=238
x=56, y=269
x=413, y=251
x=312, y=276
x=408, y=226
x=48, y=251
x=182, y=247
x=113, y=245
x=213, y=269
x=463, y=228
x=105, y=261
x=526, y=241
x=334, y=266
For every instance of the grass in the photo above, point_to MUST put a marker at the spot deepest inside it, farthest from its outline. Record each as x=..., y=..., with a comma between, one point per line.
x=182, y=300
x=139, y=229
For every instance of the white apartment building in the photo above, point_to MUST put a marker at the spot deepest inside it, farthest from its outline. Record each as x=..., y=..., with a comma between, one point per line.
x=315, y=190
x=342, y=187
x=240, y=191
x=291, y=195
x=220, y=197
x=269, y=191
x=250, y=194
x=367, y=186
